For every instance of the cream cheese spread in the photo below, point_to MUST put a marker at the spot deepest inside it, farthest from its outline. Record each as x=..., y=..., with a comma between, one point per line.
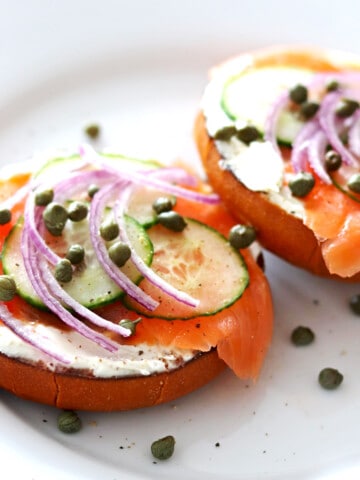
x=88, y=358
x=258, y=165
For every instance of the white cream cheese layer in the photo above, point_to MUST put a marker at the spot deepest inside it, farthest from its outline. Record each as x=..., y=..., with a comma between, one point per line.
x=257, y=166
x=87, y=357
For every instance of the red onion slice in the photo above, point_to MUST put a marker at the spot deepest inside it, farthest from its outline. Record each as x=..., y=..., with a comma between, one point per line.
x=59, y=293
x=329, y=124
x=272, y=120
x=26, y=332
x=98, y=204
x=146, y=271
x=148, y=178
x=32, y=220
x=354, y=135
x=299, y=154
x=316, y=150
x=35, y=267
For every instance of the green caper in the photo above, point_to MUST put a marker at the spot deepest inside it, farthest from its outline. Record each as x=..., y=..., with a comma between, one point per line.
x=330, y=378
x=109, y=230
x=75, y=254
x=119, y=253
x=163, y=448
x=55, y=216
x=7, y=288
x=298, y=94
x=332, y=161
x=69, y=422
x=248, y=134
x=355, y=304
x=241, y=236
x=92, y=131
x=92, y=189
x=163, y=204
x=301, y=184
x=225, y=133
x=301, y=336
x=308, y=110
x=130, y=324
x=354, y=183
x=332, y=86
x=346, y=108
x=44, y=197
x=172, y=220
x=77, y=211
x=63, y=271
x=5, y=216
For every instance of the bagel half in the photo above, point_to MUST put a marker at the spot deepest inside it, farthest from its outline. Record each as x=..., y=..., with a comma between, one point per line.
x=280, y=231
x=71, y=390
x=86, y=358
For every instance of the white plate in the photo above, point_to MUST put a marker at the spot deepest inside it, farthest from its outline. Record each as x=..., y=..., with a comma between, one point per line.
x=138, y=68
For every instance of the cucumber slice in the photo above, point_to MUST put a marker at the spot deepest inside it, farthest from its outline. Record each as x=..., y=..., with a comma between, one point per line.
x=248, y=97
x=90, y=285
x=191, y=261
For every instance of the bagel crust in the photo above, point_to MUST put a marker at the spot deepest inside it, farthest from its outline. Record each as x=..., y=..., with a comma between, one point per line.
x=74, y=392
x=278, y=231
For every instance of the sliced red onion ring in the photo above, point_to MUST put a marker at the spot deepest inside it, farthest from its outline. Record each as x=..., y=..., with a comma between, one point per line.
x=32, y=220
x=147, y=179
x=354, y=135
x=35, y=269
x=271, y=121
x=299, y=154
x=98, y=204
x=146, y=271
x=316, y=150
x=25, y=331
x=329, y=124
x=71, y=186
x=59, y=293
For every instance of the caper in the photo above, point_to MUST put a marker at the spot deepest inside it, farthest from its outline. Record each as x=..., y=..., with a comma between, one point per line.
x=163, y=448
x=248, y=134
x=241, y=236
x=355, y=304
x=109, y=230
x=7, y=288
x=44, y=197
x=92, y=131
x=225, y=133
x=301, y=184
x=92, y=189
x=308, y=110
x=301, y=336
x=354, y=183
x=77, y=211
x=163, y=204
x=346, y=108
x=55, y=216
x=63, y=271
x=172, y=220
x=298, y=94
x=119, y=253
x=75, y=254
x=332, y=161
x=5, y=216
x=69, y=422
x=332, y=86
x=330, y=378
x=130, y=324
